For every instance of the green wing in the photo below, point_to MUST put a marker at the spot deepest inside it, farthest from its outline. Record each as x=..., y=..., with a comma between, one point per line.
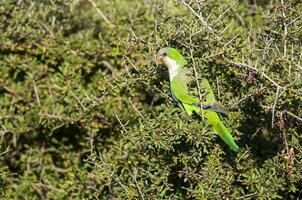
x=189, y=98
x=183, y=90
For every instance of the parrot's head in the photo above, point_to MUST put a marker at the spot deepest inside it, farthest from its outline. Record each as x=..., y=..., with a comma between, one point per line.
x=171, y=58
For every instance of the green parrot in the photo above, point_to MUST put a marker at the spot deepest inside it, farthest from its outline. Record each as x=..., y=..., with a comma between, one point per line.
x=186, y=94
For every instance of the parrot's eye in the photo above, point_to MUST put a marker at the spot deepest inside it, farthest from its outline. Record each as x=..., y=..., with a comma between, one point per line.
x=164, y=54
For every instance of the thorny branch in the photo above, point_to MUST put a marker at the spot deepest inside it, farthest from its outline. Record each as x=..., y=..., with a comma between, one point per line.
x=100, y=12
x=199, y=16
x=197, y=83
x=278, y=94
x=257, y=71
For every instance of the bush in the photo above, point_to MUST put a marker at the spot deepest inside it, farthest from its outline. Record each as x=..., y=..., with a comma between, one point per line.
x=86, y=113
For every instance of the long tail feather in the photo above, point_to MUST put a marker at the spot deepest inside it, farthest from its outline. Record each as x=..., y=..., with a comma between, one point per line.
x=225, y=134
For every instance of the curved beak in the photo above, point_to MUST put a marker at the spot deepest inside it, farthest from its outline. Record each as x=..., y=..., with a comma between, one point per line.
x=159, y=59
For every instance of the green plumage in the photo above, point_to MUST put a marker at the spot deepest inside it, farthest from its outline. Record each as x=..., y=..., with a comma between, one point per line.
x=182, y=86
x=188, y=97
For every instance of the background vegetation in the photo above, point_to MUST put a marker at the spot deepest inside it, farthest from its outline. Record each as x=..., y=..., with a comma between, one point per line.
x=86, y=114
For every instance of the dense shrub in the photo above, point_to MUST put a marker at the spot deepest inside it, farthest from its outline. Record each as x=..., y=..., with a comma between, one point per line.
x=86, y=114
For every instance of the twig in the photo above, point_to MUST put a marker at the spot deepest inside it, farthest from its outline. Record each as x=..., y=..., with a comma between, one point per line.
x=197, y=15
x=244, y=98
x=108, y=66
x=274, y=105
x=210, y=56
x=51, y=97
x=231, y=40
x=78, y=100
x=136, y=184
x=219, y=19
x=258, y=71
x=248, y=195
x=36, y=92
x=132, y=64
x=255, y=133
x=122, y=125
x=197, y=83
x=218, y=87
x=299, y=195
x=285, y=32
x=227, y=26
x=48, y=187
x=12, y=92
x=100, y=12
x=294, y=20
x=6, y=151
x=133, y=106
x=291, y=114
x=292, y=60
x=167, y=96
x=51, y=116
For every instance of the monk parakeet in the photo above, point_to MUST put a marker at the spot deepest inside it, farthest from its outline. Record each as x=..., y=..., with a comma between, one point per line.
x=186, y=94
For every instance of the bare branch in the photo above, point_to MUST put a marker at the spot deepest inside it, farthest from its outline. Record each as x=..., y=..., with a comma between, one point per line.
x=36, y=92
x=197, y=15
x=197, y=83
x=133, y=106
x=291, y=114
x=258, y=71
x=100, y=12
x=122, y=125
x=274, y=105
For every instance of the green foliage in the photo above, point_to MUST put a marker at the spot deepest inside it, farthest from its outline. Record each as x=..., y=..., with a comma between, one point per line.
x=86, y=114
